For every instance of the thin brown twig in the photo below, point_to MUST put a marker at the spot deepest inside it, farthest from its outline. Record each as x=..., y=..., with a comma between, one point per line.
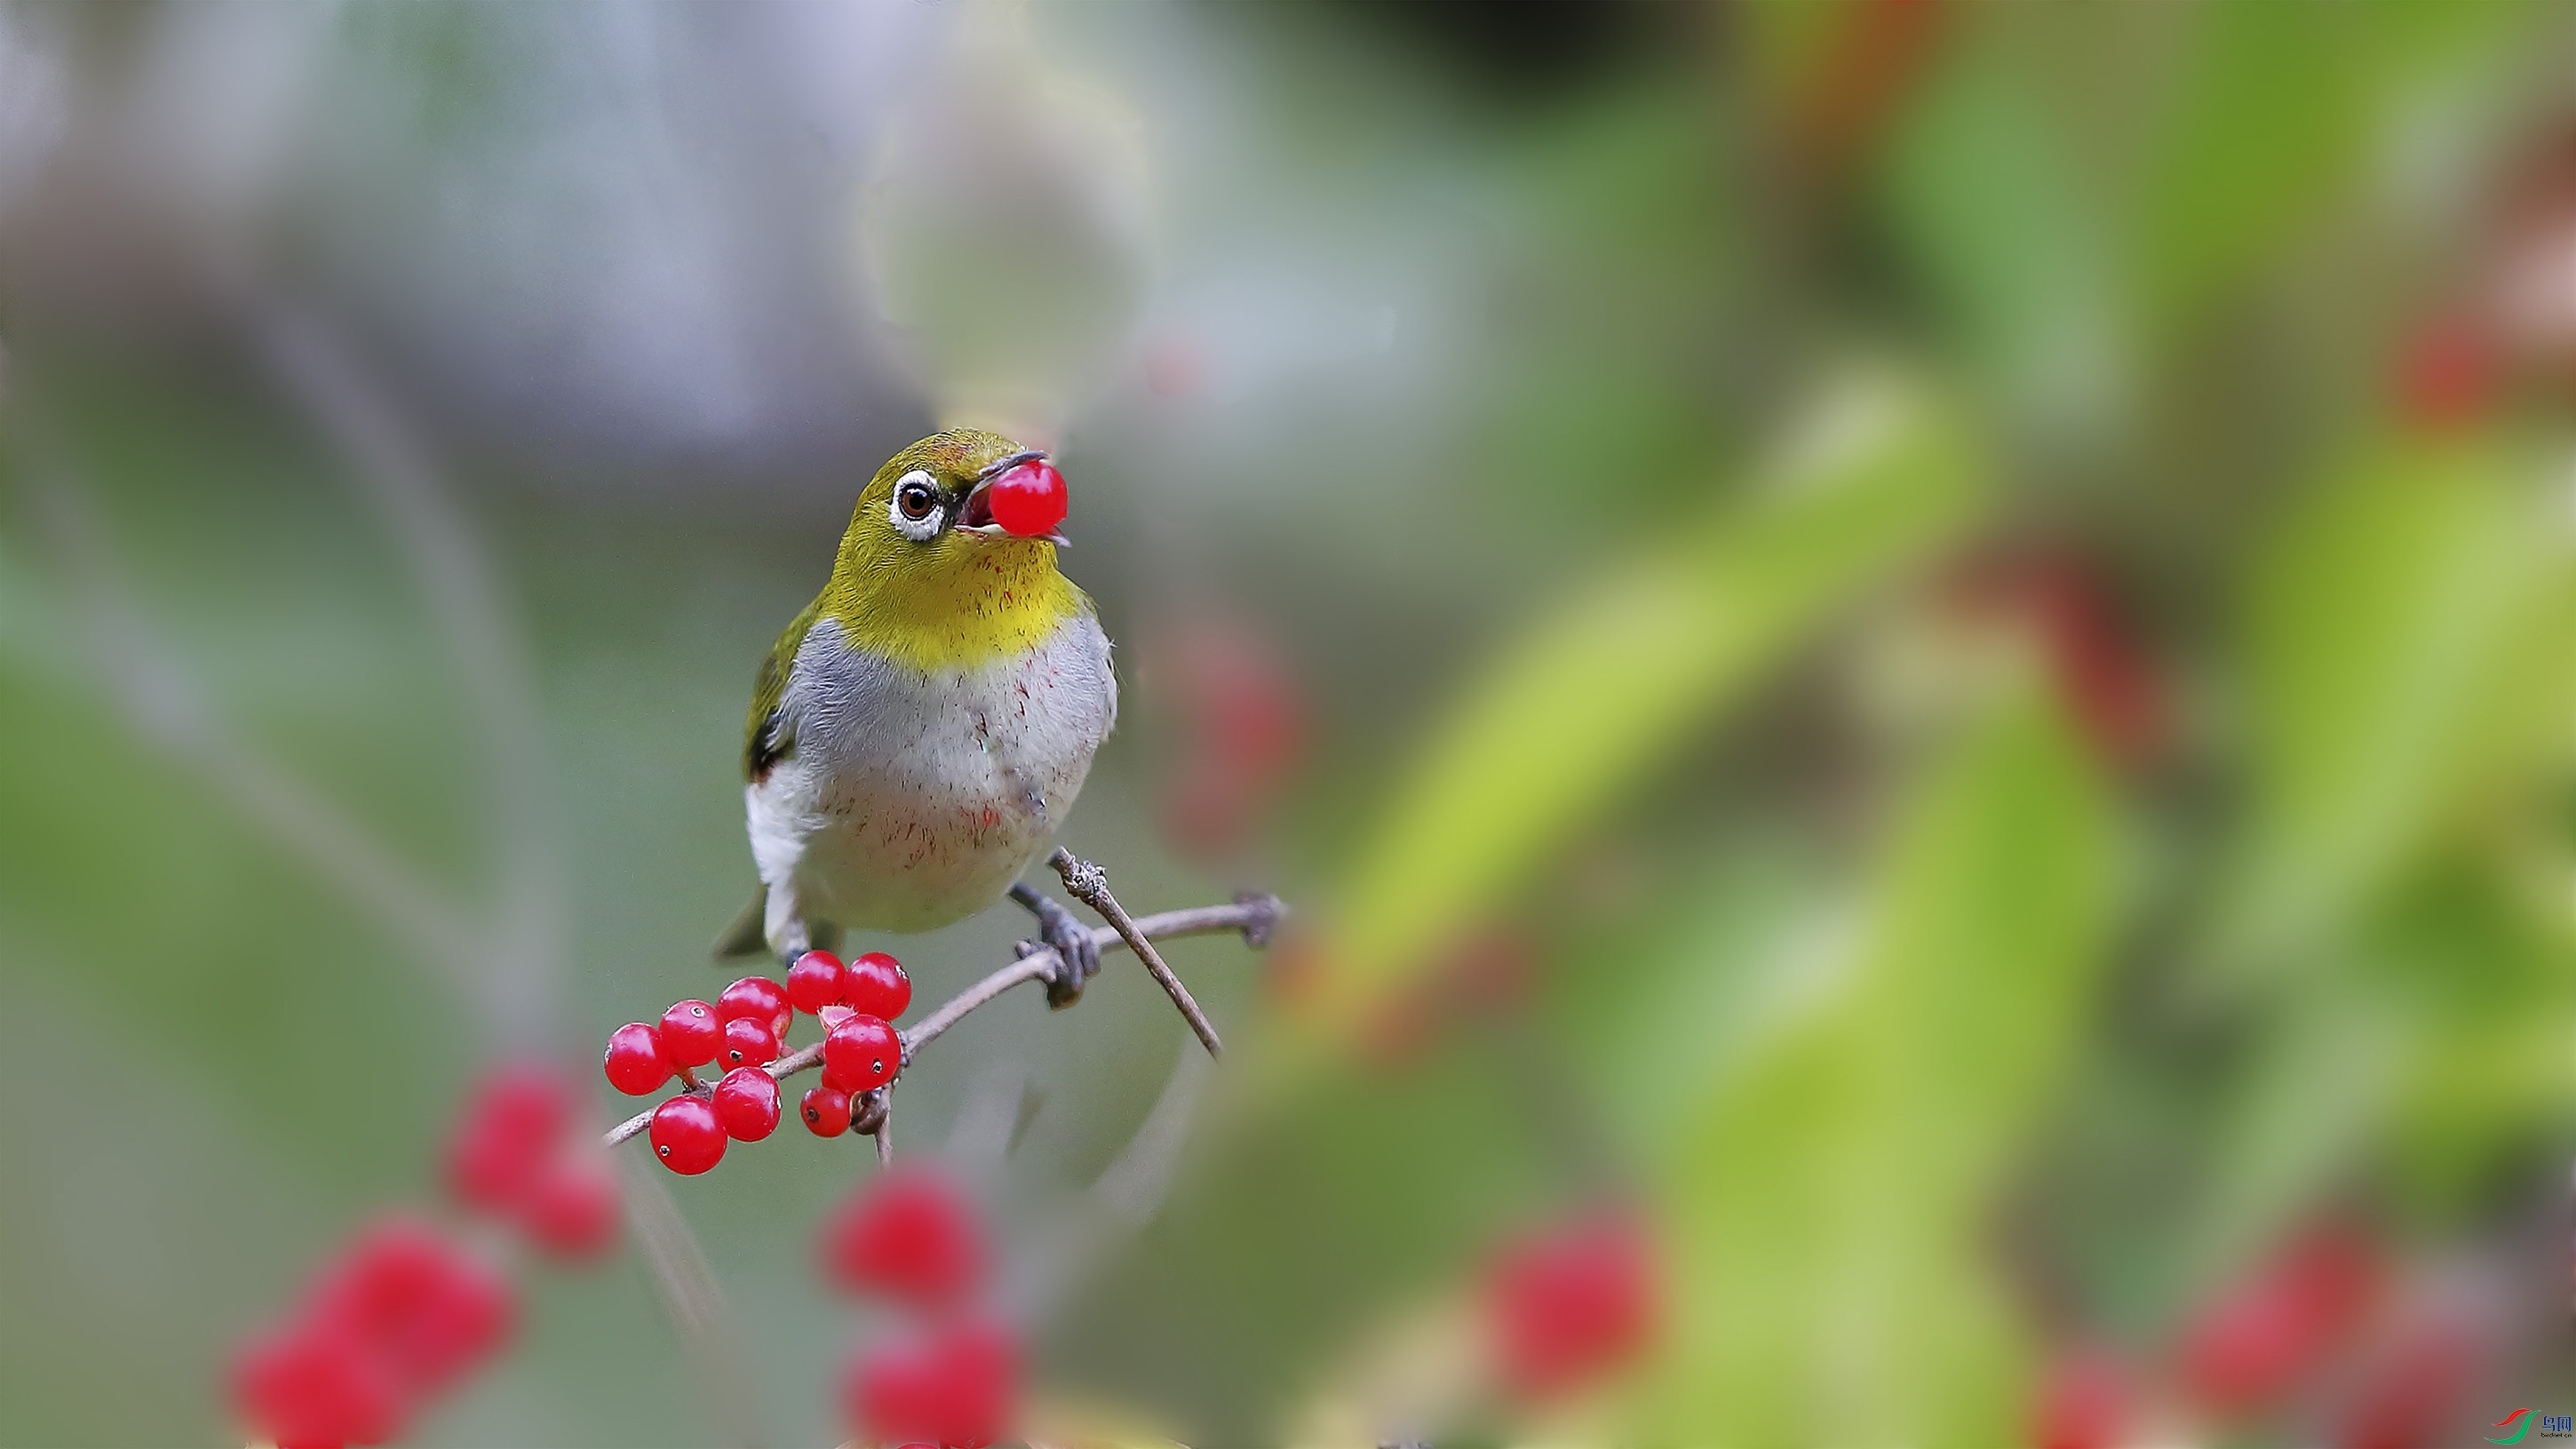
x=1255, y=916
x=1090, y=884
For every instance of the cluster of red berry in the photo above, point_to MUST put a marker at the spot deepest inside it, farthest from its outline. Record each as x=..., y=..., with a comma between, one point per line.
x=743, y=1032
x=2325, y=1331
x=405, y=1312
x=517, y=1154
x=911, y=1237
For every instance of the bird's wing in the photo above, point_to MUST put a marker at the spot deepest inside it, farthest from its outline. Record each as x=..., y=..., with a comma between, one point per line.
x=766, y=735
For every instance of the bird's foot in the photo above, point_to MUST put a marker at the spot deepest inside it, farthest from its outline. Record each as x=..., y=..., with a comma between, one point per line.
x=1077, y=959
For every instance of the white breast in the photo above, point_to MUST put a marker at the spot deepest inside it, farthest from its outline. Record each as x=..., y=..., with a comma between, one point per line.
x=913, y=799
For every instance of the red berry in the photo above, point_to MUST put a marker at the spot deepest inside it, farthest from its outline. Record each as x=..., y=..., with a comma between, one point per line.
x=910, y=1235
x=826, y=1112
x=875, y=985
x=691, y=1034
x=2084, y=1403
x=833, y=1015
x=422, y=1308
x=686, y=1135
x=2260, y=1341
x=747, y=1043
x=1029, y=500
x=635, y=1062
x=861, y=1053
x=572, y=1212
x=309, y=1384
x=746, y=1102
x=814, y=982
x=2446, y=374
x=760, y=999
x=509, y=1128
x=1570, y=1304
x=959, y=1387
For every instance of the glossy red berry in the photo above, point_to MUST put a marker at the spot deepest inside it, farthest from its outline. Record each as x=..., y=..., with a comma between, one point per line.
x=748, y=1042
x=635, y=1062
x=826, y=1112
x=1029, y=499
x=571, y=1214
x=746, y=1103
x=691, y=1034
x=910, y=1235
x=760, y=999
x=1570, y=1304
x=814, y=982
x=862, y=1053
x=875, y=985
x=687, y=1137
x=509, y=1128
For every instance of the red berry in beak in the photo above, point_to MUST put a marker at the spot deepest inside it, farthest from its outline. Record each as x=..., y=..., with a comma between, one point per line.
x=1028, y=500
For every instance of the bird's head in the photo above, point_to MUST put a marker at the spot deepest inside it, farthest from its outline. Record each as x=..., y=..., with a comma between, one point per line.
x=955, y=535
x=956, y=502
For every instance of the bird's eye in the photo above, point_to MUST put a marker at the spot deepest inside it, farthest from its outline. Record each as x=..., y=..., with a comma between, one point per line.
x=918, y=506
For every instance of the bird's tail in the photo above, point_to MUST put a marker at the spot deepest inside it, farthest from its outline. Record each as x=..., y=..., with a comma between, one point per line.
x=749, y=933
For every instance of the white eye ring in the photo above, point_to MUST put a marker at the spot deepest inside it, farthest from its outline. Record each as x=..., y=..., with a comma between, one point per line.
x=917, y=490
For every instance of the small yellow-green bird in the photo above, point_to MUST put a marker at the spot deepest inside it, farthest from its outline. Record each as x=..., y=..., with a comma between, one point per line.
x=918, y=733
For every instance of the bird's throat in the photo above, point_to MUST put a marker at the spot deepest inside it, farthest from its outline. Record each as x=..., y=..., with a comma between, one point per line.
x=1002, y=600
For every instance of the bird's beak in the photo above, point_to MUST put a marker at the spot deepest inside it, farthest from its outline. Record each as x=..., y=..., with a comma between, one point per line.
x=976, y=514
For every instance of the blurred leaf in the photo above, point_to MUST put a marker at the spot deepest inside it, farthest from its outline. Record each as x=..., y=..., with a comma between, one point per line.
x=1825, y=1201
x=2410, y=641
x=1985, y=197
x=1581, y=705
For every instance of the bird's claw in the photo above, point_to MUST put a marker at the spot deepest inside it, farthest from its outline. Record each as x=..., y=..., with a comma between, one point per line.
x=1077, y=959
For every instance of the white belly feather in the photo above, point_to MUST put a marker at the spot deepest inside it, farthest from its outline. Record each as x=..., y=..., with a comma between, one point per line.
x=910, y=800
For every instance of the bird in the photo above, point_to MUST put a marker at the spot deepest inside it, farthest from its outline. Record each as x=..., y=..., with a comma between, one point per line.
x=918, y=734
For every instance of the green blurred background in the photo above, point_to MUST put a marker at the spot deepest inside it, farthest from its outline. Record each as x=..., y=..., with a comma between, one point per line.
x=1933, y=644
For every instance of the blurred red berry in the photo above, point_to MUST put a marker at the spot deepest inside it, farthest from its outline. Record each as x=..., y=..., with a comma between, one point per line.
x=1174, y=367
x=1570, y=1304
x=2085, y=1402
x=910, y=1235
x=746, y=1102
x=1029, y=500
x=308, y=1385
x=691, y=1034
x=759, y=999
x=635, y=1063
x=2412, y=1393
x=572, y=1213
x=861, y=1053
x=748, y=1042
x=2109, y=684
x=1241, y=725
x=958, y=1388
x=687, y=1137
x=420, y=1306
x=2266, y=1336
x=875, y=985
x=2446, y=374
x=826, y=1112
x=510, y=1126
